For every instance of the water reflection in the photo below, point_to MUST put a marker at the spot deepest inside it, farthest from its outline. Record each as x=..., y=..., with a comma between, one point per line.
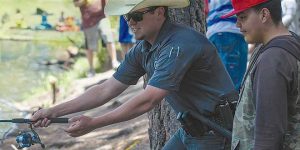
x=21, y=69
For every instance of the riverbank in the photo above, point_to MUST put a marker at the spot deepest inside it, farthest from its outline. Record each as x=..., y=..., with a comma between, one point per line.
x=130, y=135
x=69, y=84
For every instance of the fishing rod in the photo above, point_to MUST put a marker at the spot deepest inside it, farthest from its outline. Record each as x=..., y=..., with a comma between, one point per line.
x=29, y=138
x=22, y=120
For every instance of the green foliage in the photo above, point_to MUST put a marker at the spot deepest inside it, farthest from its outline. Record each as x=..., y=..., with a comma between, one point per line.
x=102, y=57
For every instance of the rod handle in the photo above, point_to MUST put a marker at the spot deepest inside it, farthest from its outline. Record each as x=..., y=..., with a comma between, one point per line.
x=53, y=120
x=59, y=120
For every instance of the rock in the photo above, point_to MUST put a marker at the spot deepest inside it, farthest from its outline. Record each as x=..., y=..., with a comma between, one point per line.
x=73, y=50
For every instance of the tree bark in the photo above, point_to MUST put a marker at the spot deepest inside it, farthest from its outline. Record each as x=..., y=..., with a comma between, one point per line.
x=162, y=119
x=298, y=17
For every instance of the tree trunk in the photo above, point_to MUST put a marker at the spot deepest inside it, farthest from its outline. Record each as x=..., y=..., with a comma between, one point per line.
x=298, y=17
x=162, y=119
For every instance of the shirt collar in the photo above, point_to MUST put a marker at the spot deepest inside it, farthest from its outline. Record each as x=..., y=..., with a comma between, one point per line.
x=164, y=31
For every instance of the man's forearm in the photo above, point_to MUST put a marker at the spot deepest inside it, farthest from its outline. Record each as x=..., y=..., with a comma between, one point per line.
x=131, y=109
x=92, y=98
x=86, y=101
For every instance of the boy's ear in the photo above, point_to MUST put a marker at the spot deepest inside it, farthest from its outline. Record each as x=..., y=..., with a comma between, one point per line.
x=265, y=15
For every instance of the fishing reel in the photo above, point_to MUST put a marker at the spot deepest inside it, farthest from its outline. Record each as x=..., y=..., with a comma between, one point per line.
x=28, y=138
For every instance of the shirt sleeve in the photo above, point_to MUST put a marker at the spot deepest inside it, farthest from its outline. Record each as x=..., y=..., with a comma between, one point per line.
x=171, y=65
x=131, y=68
x=270, y=86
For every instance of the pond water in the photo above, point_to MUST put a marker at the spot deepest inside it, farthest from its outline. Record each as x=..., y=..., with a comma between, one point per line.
x=21, y=67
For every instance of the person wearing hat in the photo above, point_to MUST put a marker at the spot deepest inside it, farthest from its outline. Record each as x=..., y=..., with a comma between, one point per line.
x=180, y=65
x=267, y=116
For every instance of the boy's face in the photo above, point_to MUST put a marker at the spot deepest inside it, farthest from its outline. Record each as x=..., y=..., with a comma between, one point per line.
x=251, y=26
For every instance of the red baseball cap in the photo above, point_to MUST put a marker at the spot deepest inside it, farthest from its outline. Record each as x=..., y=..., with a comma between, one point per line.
x=242, y=5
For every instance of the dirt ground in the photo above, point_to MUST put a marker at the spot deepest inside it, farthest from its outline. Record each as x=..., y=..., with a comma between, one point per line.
x=130, y=135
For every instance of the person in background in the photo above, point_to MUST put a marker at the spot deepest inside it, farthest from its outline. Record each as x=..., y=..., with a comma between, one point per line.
x=61, y=18
x=228, y=39
x=106, y=34
x=267, y=116
x=289, y=10
x=93, y=18
x=126, y=37
x=20, y=21
x=4, y=18
x=44, y=25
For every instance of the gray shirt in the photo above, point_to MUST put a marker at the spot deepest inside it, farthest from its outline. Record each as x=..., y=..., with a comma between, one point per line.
x=275, y=83
x=183, y=62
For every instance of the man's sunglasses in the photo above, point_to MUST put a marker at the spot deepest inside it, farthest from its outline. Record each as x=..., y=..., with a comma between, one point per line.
x=137, y=16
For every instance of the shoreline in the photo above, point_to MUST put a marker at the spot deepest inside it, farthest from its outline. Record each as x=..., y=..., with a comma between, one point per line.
x=129, y=135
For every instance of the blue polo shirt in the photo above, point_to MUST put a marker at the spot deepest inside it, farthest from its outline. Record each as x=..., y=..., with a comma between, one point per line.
x=182, y=61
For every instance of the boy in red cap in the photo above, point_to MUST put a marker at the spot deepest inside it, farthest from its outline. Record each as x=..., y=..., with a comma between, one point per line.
x=268, y=112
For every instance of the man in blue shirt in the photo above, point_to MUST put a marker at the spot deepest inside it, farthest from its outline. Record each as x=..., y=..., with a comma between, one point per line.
x=181, y=65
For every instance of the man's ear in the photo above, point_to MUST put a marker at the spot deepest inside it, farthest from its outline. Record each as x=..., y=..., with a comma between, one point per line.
x=265, y=15
x=160, y=11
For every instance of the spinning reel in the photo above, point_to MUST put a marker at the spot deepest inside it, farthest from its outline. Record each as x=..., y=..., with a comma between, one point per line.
x=29, y=138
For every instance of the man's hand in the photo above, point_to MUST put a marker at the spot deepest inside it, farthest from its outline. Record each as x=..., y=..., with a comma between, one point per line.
x=41, y=116
x=80, y=125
